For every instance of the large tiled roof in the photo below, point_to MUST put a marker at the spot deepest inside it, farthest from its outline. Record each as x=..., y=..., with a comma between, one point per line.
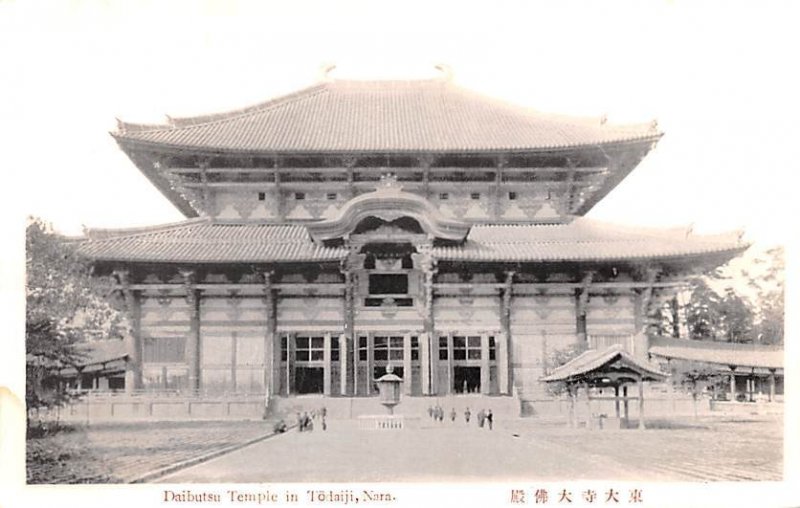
x=745, y=356
x=384, y=116
x=207, y=241
x=595, y=362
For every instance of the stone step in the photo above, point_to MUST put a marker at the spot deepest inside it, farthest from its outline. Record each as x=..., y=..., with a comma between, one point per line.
x=353, y=407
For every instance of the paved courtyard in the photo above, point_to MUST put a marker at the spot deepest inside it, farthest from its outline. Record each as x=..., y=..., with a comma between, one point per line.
x=720, y=449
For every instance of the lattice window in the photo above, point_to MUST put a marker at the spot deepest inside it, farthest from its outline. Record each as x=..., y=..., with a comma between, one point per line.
x=467, y=348
x=309, y=349
x=388, y=348
x=443, y=348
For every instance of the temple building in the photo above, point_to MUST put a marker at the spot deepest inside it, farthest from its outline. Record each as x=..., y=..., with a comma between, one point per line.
x=356, y=224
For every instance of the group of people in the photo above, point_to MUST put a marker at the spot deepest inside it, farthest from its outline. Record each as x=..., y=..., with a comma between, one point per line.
x=305, y=421
x=484, y=416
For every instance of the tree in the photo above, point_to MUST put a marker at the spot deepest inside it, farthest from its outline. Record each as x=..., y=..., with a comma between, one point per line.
x=66, y=304
x=559, y=357
x=694, y=377
x=766, y=278
x=726, y=317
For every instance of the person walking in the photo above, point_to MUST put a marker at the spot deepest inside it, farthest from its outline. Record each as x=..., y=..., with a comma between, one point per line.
x=324, y=414
x=467, y=414
x=300, y=422
x=481, y=418
x=453, y=415
x=489, y=418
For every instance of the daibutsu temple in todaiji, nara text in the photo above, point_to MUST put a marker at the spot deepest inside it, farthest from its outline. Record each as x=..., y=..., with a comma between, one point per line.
x=356, y=224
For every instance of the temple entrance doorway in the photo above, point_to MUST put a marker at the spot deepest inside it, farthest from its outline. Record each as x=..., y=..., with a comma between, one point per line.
x=309, y=380
x=466, y=379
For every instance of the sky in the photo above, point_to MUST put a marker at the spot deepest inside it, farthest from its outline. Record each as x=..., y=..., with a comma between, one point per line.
x=717, y=77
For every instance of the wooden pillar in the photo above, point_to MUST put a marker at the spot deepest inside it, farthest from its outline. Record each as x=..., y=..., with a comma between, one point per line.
x=733, y=384
x=425, y=362
x=133, y=341
x=426, y=162
x=772, y=385
x=498, y=186
x=407, y=378
x=370, y=362
x=589, y=419
x=290, y=357
x=349, y=314
x=193, y=339
x=343, y=364
x=503, y=352
x=234, y=345
x=327, y=373
x=581, y=304
x=272, y=344
x=485, y=375
x=434, y=362
x=450, y=364
x=625, y=403
x=641, y=403
x=280, y=199
x=616, y=401
x=501, y=343
x=572, y=417
x=427, y=264
x=356, y=361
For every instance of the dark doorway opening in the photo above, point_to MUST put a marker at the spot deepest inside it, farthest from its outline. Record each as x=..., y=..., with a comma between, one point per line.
x=308, y=379
x=466, y=379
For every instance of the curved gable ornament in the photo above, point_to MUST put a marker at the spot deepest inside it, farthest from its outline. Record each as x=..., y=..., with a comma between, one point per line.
x=388, y=203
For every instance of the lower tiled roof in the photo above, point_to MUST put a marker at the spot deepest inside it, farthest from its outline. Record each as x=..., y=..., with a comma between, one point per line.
x=207, y=241
x=746, y=356
x=582, y=240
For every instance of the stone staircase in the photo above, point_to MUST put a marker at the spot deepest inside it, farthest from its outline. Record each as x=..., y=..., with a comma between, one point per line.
x=341, y=408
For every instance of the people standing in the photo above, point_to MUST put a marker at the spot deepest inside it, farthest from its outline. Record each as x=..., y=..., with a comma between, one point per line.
x=467, y=414
x=481, y=418
x=324, y=415
x=489, y=418
x=453, y=415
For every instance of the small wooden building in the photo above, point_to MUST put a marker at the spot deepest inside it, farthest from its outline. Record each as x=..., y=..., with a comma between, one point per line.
x=355, y=224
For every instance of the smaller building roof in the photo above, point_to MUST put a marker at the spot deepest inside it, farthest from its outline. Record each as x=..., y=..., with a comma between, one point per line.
x=596, y=364
x=743, y=356
x=98, y=357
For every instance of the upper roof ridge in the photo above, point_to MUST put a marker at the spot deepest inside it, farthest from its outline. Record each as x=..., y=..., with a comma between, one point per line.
x=176, y=122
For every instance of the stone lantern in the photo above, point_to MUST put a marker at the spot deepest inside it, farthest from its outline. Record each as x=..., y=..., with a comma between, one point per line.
x=389, y=389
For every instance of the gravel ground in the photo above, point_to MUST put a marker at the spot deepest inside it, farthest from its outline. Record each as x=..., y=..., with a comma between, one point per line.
x=118, y=453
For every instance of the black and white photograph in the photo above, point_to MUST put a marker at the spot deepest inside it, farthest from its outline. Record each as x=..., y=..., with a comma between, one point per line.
x=335, y=253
